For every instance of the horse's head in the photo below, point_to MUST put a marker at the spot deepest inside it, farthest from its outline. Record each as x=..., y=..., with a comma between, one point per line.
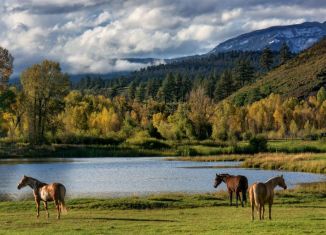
x=218, y=180
x=281, y=182
x=23, y=182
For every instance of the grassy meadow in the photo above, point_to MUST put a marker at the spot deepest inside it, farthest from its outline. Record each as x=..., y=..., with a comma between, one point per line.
x=297, y=211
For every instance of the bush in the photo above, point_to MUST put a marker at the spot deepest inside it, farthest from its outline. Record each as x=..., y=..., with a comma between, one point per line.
x=88, y=140
x=258, y=144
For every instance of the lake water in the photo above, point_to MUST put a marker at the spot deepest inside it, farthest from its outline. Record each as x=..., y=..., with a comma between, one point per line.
x=133, y=176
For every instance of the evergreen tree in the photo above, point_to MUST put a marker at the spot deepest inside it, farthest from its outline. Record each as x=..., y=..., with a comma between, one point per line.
x=321, y=95
x=285, y=53
x=185, y=88
x=210, y=85
x=224, y=86
x=131, y=90
x=168, y=89
x=178, y=87
x=244, y=72
x=140, y=92
x=266, y=59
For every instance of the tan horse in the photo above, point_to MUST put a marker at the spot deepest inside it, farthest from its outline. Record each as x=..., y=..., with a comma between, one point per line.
x=46, y=193
x=261, y=193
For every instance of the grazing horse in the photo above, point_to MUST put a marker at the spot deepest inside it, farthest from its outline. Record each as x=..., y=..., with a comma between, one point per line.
x=46, y=193
x=234, y=183
x=261, y=193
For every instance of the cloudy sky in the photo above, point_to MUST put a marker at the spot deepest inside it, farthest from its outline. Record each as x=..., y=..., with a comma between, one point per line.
x=83, y=35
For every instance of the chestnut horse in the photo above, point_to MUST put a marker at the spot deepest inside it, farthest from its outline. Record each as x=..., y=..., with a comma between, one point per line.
x=46, y=193
x=234, y=183
x=261, y=193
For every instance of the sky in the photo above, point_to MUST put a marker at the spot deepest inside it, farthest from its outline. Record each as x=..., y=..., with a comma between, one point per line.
x=85, y=35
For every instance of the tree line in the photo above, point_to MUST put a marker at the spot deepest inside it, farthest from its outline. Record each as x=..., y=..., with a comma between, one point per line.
x=46, y=110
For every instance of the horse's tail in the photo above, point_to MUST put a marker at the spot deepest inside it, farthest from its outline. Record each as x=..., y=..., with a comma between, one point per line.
x=244, y=195
x=251, y=196
x=62, y=194
x=245, y=188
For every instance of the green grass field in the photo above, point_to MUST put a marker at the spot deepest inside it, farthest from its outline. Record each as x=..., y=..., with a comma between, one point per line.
x=299, y=211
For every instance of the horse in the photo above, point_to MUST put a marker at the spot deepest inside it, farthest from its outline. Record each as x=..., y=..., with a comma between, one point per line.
x=261, y=193
x=46, y=193
x=234, y=183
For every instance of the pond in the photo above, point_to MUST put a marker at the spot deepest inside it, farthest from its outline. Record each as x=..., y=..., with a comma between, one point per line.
x=101, y=177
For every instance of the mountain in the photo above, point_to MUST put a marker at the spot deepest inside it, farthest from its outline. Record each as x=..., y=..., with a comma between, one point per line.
x=300, y=77
x=298, y=37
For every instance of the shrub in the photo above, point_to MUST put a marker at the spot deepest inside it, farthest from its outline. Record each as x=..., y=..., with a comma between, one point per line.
x=258, y=144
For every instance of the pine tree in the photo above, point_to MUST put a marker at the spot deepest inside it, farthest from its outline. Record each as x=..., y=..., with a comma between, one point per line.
x=244, y=72
x=266, y=59
x=285, y=53
x=224, y=86
x=140, y=92
x=131, y=90
x=168, y=89
x=321, y=95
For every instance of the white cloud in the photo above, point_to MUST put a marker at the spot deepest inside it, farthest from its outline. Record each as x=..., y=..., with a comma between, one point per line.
x=86, y=35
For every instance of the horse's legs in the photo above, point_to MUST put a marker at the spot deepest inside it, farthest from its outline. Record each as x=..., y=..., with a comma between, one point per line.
x=242, y=199
x=230, y=193
x=252, y=210
x=263, y=211
x=237, y=197
x=57, y=205
x=37, y=207
x=260, y=208
x=270, y=211
x=46, y=208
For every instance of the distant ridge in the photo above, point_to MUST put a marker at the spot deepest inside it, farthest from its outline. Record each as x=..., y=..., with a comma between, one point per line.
x=297, y=36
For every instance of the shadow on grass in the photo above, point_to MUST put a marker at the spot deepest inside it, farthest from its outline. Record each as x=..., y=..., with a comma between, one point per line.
x=127, y=219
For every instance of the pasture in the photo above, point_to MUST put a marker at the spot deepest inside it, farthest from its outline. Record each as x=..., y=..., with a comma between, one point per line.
x=297, y=211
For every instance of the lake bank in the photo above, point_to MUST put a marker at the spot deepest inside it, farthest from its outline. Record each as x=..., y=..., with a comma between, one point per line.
x=154, y=148
x=301, y=162
x=296, y=211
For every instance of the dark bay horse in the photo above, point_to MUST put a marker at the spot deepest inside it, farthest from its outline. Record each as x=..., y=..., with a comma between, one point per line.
x=234, y=183
x=261, y=193
x=46, y=193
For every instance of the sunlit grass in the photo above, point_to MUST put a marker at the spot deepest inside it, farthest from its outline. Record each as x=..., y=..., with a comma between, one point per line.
x=296, y=211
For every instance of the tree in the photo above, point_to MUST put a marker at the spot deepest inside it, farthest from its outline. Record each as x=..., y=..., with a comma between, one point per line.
x=44, y=86
x=266, y=59
x=140, y=92
x=201, y=111
x=285, y=53
x=244, y=72
x=224, y=86
x=6, y=67
x=168, y=89
x=321, y=95
x=131, y=90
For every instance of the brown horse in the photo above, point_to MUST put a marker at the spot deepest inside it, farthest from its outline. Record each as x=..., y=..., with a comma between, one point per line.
x=261, y=193
x=46, y=193
x=234, y=183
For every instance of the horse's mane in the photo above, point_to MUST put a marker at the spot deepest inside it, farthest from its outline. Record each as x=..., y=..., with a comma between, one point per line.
x=39, y=183
x=273, y=178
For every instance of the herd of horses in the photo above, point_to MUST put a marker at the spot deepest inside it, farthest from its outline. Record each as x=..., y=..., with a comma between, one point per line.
x=259, y=193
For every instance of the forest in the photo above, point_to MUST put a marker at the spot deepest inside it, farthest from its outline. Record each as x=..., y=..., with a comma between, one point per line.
x=46, y=108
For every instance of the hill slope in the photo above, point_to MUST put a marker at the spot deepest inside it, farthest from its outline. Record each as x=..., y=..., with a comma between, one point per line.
x=300, y=77
x=298, y=37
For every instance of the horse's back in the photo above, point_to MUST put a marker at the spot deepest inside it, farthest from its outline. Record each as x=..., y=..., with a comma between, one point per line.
x=59, y=190
x=260, y=192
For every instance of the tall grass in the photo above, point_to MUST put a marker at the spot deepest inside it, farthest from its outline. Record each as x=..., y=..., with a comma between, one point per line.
x=305, y=162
